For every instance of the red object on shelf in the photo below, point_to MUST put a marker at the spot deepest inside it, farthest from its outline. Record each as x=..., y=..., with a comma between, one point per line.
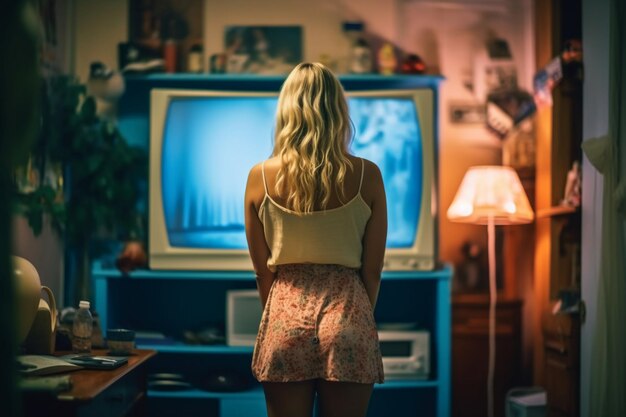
x=169, y=55
x=413, y=64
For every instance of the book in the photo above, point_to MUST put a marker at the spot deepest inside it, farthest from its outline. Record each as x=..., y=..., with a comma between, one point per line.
x=44, y=365
x=96, y=361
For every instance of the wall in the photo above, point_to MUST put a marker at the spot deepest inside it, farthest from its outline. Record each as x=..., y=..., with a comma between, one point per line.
x=98, y=27
x=595, y=124
x=446, y=38
x=447, y=35
x=95, y=30
x=320, y=21
x=451, y=37
x=101, y=25
x=45, y=252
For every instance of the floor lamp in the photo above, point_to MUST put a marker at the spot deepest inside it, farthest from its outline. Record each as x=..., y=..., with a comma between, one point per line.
x=491, y=195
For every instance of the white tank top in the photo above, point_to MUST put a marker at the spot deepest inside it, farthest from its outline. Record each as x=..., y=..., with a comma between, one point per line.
x=332, y=236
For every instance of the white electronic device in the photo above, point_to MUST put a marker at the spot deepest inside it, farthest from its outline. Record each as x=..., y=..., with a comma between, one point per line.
x=406, y=353
x=243, y=316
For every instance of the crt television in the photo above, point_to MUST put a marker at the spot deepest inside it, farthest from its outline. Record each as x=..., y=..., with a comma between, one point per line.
x=203, y=143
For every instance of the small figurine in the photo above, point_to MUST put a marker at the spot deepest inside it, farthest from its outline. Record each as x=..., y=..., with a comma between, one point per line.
x=471, y=271
x=106, y=87
x=217, y=63
x=387, y=61
x=572, y=187
x=413, y=64
x=133, y=256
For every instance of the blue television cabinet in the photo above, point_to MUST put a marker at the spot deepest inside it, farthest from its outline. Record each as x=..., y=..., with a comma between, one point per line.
x=170, y=302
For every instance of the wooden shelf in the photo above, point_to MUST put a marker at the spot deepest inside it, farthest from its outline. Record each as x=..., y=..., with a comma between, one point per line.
x=257, y=392
x=198, y=349
x=557, y=211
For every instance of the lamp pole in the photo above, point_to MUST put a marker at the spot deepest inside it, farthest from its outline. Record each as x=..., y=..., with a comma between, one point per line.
x=493, y=296
x=490, y=194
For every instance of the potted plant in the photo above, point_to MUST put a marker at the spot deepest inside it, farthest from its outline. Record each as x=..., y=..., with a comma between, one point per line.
x=89, y=180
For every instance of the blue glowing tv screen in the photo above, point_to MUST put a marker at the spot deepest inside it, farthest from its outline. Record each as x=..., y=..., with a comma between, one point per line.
x=210, y=143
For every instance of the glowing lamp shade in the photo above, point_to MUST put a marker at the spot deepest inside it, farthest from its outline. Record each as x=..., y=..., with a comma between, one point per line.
x=491, y=192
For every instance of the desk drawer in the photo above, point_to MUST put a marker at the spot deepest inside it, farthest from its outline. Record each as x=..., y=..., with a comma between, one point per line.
x=117, y=400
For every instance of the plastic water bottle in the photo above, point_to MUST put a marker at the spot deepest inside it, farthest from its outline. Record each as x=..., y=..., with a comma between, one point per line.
x=82, y=329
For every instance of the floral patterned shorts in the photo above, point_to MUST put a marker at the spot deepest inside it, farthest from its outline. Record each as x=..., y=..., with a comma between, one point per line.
x=317, y=323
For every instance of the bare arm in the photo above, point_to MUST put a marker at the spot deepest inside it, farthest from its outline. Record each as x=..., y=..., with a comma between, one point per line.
x=375, y=237
x=259, y=251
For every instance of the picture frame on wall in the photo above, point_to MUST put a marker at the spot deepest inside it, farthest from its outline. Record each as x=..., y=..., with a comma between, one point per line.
x=262, y=49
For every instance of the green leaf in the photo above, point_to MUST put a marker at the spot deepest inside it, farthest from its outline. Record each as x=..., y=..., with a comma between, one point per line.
x=35, y=221
x=88, y=110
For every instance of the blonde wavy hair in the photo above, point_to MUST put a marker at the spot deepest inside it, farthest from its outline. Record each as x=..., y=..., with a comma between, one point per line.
x=312, y=137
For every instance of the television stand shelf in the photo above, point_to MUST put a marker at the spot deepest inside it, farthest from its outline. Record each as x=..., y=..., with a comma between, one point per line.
x=169, y=302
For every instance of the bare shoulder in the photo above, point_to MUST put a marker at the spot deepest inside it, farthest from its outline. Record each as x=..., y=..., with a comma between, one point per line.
x=372, y=187
x=255, y=190
x=371, y=172
x=273, y=163
x=255, y=174
x=269, y=165
x=368, y=166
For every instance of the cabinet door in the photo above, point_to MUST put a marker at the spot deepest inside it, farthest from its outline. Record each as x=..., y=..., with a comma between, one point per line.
x=250, y=407
x=470, y=347
x=562, y=356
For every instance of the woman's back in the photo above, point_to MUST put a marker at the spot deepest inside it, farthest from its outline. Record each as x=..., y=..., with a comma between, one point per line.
x=330, y=235
x=351, y=185
x=312, y=210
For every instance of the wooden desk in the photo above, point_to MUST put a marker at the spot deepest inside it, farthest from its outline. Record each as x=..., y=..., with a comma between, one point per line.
x=110, y=393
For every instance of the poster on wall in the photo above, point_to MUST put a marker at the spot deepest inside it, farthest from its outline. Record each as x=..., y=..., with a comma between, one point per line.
x=262, y=49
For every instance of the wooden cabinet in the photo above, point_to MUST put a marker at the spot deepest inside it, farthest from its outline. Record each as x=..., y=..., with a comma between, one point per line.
x=562, y=356
x=556, y=334
x=470, y=350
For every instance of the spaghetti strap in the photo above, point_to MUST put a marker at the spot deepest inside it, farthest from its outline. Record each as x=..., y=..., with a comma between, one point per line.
x=263, y=173
x=362, y=171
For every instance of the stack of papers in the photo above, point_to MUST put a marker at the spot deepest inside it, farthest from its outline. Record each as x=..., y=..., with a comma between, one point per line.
x=44, y=365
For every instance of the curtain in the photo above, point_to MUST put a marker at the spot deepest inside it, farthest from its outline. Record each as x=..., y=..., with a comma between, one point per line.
x=608, y=361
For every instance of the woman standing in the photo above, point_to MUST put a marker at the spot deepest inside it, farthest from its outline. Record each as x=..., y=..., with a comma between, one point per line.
x=316, y=224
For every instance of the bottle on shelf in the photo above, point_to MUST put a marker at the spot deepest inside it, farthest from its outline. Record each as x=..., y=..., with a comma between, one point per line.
x=358, y=59
x=361, y=57
x=170, y=55
x=82, y=328
x=194, y=59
